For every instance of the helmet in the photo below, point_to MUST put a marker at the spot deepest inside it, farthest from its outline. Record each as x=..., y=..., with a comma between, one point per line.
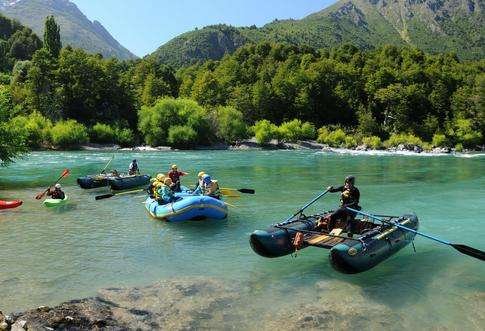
x=160, y=177
x=174, y=167
x=153, y=180
x=167, y=181
x=350, y=179
x=58, y=186
x=207, y=179
x=134, y=161
x=201, y=174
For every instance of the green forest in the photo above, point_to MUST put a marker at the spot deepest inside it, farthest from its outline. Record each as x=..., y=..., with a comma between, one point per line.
x=59, y=97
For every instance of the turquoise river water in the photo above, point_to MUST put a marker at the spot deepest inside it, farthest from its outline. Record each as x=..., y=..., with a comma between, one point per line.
x=49, y=256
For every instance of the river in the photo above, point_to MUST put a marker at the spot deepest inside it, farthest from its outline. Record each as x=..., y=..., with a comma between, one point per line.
x=48, y=256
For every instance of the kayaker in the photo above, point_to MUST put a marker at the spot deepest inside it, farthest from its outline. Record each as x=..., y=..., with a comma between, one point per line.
x=175, y=175
x=56, y=193
x=199, y=180
x=133, y=168
x=349, y=197
x=165, y=193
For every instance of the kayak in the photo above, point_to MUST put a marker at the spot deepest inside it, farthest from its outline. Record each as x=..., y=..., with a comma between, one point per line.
x=373, y=244
x=189, y=207
x=55, y=202
x=128, y=182
x=10, y=204
x=92, y=181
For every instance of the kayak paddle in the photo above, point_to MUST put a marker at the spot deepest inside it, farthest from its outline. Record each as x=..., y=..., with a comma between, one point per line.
x=470, y=251
x=110, y=195
x=65, y=173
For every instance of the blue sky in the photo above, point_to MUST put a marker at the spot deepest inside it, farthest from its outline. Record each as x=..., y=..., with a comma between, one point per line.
x=143, y=25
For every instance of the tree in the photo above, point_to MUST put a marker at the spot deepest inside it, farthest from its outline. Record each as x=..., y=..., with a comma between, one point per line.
x=52, y=37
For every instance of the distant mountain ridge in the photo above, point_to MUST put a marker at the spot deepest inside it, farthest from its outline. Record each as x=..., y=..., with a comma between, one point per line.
x=431, y=25
x=76, y=29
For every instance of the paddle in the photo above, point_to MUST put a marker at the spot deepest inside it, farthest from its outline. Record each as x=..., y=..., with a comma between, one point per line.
x=242, y=190
x=303, y=208
x=65, y=173
x=470, y=251
x=110, y=195
x=107, y=164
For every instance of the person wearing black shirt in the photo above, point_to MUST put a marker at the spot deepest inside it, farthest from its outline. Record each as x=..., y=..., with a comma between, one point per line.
x=349, y=197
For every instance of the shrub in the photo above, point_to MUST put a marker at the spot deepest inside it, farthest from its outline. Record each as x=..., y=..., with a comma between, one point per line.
x=334, y=138
x=102, y=133
x=182, y=136
x=264, y=131
x=350, y=142
x=155, y=122
x=458, y=148
x=229, y=123
x=372, y=142
x=35, y=129
x=69, y=134
x=124, y=137
x=462, y=133
x=296, y=130
x=403, y=139
x=439, y=140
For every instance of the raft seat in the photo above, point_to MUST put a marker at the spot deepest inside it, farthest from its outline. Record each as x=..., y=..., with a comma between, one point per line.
x=324, y=240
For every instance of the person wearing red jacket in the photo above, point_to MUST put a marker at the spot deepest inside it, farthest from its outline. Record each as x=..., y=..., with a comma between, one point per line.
x=175, y=175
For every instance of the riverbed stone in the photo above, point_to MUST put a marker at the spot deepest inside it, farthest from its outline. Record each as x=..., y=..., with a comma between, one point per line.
x=19, y=325
x=4, y=326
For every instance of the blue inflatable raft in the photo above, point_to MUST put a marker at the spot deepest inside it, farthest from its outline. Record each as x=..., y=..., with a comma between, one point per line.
x=189, y=207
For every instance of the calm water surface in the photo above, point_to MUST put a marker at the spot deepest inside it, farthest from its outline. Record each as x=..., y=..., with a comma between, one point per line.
x=50, y=256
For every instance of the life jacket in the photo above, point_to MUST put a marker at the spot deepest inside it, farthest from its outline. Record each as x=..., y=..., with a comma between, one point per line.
x=213, y=189
x=350, y=196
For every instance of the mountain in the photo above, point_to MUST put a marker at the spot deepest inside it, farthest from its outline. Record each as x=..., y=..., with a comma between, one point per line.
x=76, y=29
x=431, y=25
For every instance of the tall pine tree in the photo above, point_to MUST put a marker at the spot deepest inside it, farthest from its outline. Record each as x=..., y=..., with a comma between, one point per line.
x=52, y=37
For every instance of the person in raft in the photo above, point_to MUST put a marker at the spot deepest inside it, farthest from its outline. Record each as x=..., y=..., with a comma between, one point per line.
x=56, y=193
x=209, y=187
x=133, y=168
x=349, y=197
x=175, y=175
x=199, y=180
x=165, y=192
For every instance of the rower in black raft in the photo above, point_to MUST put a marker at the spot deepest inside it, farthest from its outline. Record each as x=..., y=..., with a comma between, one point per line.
x=357, y=241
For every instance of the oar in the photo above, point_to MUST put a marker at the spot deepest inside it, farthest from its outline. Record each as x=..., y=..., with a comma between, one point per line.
x=107, y=164
x=230, y=205
x=473, y=252
x=242, y=190
x=110, y=195
x=65, y=173
x=304, y=207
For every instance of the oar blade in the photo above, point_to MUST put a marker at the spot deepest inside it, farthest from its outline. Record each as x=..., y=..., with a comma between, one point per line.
x=40, y=195
x=470, y=251
x=247, y=190
x=104, y=196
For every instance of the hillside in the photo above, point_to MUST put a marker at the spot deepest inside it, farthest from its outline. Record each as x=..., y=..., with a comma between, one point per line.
x=76, y=29
x=431, y=25
x=17, y=42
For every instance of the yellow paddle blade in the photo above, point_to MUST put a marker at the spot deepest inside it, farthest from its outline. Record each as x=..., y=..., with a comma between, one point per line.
x=229, y=193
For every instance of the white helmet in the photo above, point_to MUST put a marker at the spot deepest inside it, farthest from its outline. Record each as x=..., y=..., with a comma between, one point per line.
x=57, y=186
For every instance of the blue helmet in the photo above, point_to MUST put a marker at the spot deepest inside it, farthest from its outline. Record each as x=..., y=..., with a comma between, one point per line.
x=207, y=179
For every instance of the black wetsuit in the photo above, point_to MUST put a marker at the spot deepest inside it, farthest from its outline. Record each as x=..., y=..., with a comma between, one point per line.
x=349, y=198
x=57, y=195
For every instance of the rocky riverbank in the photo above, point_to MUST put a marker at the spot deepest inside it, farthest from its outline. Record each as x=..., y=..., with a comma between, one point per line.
x=275, y=144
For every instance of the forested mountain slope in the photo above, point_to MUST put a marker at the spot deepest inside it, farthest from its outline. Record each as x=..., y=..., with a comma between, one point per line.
x=431, y=25
x=76, y=29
